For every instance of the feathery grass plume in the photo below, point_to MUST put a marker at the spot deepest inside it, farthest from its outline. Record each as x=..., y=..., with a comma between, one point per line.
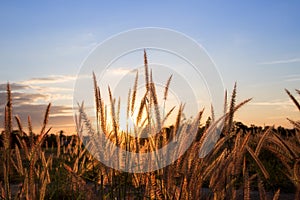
x=178, y=118
x=226, y=116
x=21, y=140
x=293, y=99
x=97, y=98
x=20, y=168
x=258, y=162
x=114, y=121
x=236, y=156
x=284, y=145
x=46, y=165
x=103, y=115
x=239, y=151
x=225, y=102
x=279, y=150
x=217, y=148
x=246, y=181
x=113, y=116
x=141, y=109
x=42, y=191
x=78, y=124
x=99, y=106
x=283, y=159
x=6, y=136
x=9, y=109
x=86, y=120
x=295, y=124
x=8, y=119
x=43, y=134
x=146, y=70
x=167, y=87
x=210, y=132
x=276, y=195
x=35, y=152
x=210, y=168
x=151, y=76
x=7, y=141
x=128, y=108
x=45, y=122
x=21, y=132
x=29, y=124
x=262, y=139
x=133, y=98
x=213, y=127
x=231, y=110
x=237, y=107
x=167, y=115
x=193, y=154
x=212, y=113
x=31, y=176
x=150, y=100
x=245, y=141
x=156, y=106
x=188, y=128
x=57, y=137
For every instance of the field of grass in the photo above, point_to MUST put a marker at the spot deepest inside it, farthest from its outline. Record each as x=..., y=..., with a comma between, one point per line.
x=245, y=163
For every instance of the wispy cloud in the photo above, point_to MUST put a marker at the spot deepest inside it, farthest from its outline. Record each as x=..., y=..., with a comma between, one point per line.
x=120, y=71
x=59, y=115
x=48, y=80
x=20, y=98
x=292, y=77
x=30, y=97
x=13, y=86
x=278, y=103
x=276, y=62
x=39, y=90
x=57, y=97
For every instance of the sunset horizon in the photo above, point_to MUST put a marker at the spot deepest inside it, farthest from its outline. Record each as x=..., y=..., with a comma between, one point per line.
x=42, y=56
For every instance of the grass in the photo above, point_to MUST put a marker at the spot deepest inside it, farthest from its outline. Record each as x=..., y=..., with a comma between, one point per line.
x=243, y=161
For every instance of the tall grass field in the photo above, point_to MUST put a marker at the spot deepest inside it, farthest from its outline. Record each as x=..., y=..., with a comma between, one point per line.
x=245, y=163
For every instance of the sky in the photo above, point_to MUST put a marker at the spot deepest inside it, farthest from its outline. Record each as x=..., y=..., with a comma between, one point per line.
x=253, y=43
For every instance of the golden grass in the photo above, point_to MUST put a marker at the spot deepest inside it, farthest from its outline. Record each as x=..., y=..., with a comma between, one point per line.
x=232, y=167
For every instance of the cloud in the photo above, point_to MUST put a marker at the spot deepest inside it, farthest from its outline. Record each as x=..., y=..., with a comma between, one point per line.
x=291, y=78
x=13, y=86
x=20, y=98
x=278, y=103
x=120, y=71
x=25, y=98
x=42, y=88
x=276, y=62
x=59, y=115
x=30, y=98
x=49, y=80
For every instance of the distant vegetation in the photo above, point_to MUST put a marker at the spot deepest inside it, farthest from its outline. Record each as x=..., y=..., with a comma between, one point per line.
x=246, y=162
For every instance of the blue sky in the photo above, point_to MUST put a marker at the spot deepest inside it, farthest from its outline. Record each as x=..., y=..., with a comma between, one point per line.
x=257, y=44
